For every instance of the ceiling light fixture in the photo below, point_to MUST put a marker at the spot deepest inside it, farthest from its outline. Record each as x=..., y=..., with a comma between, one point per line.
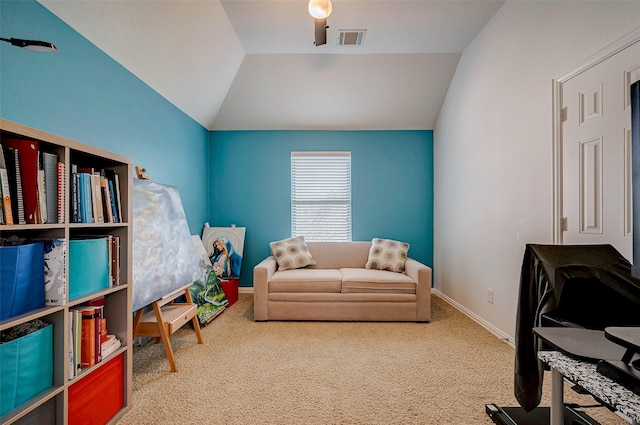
x=320, y=10
x=33, y=45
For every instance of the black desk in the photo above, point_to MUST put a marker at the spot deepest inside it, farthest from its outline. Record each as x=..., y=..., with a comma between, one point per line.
x=582, y=344
x=583, y=348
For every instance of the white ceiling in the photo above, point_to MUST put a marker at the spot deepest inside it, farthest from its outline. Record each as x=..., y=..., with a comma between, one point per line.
x=252, y=64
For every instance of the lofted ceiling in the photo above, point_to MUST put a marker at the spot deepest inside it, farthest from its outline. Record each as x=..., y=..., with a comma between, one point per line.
x=253, y=65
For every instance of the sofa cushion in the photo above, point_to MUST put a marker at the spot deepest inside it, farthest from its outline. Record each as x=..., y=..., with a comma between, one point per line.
x=376, y=281
x=291, y=253
x=333, y=255
x=306, y=280
x=387, y=254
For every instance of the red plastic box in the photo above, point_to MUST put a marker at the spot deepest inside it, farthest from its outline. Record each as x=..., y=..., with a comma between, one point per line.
x=98, y=397
x=230, y=288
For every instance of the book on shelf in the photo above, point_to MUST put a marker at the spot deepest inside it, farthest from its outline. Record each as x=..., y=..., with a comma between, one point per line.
x=111, y=344
x=112, y=196
x=61, y=188
x=118, y=199
x=113, y=243
x=98, y=304
x=85, y=198
x=77, y=345
x=71, y=348
x=88, y=170
x=88, y=331
x=50, y=170
x=110, y=258
x=12, y=161
x=106, y=200
x=98, y=335
x=19, y=193
x=103, y=332
x=41, y=204
x=79, y=201
x=114, y=259
x=55, y=282
x=96, y=199
x=74, y=193
x=28, y=162
x=5, y=191
x=114, y=192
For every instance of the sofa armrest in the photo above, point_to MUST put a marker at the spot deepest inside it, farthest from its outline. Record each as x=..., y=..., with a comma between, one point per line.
x=421, y=274
x=262, y=272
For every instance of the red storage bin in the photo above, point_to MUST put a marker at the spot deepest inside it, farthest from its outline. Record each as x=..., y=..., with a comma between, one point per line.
x=98, y=397
x=230, y=288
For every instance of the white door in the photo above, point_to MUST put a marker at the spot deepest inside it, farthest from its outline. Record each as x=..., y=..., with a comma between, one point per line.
x=596, y=153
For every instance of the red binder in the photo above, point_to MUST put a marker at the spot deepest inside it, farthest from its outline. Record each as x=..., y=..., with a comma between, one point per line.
x=28, y=150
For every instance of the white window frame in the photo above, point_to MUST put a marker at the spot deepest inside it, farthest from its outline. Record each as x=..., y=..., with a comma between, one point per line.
x=321, y=196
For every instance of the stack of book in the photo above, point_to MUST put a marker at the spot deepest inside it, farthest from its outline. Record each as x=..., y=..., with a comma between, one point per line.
x=110, y=345
x=95, y=195
x=89, y=341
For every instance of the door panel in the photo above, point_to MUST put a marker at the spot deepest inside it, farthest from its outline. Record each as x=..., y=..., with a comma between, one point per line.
x=596, y=153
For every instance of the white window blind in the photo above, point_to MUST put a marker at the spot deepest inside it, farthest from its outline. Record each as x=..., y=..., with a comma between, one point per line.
x=321, y=195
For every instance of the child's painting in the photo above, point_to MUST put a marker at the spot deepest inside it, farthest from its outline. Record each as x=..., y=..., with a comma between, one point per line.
x=224, y=246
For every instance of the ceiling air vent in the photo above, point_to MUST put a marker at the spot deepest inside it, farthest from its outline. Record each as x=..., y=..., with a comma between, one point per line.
x=351, y=37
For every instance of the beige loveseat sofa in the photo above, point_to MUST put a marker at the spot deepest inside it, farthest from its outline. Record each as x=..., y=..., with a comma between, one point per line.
x=339, y=287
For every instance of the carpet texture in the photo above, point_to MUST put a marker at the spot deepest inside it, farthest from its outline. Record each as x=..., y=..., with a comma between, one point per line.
x=247, y=372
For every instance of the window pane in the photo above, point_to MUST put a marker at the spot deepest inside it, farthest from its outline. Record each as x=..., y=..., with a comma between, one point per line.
x=321, y=195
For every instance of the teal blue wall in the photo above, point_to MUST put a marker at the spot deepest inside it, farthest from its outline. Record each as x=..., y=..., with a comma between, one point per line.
x=392, y=185
x=81, y=93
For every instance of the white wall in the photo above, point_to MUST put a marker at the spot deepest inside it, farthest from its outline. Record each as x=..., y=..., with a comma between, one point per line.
x=493, y=146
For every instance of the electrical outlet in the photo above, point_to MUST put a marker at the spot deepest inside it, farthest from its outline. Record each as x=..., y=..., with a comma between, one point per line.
x=490, y=295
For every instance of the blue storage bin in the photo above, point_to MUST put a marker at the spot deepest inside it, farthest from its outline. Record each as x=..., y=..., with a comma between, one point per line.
x=88, y=266
x=21, y=279
x=26, y=368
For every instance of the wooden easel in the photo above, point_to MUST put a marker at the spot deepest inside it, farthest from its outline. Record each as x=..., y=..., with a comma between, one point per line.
x=166, y=318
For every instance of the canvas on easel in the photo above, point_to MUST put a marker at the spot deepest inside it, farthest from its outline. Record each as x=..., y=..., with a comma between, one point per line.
x=165, y=264
x=224, y=247
x=164, y=258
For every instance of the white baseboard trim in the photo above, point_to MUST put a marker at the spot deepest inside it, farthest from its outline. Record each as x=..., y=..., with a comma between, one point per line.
x=245, y=289
x=479, y=320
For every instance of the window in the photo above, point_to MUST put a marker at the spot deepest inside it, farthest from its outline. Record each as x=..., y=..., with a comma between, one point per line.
x=321, y=195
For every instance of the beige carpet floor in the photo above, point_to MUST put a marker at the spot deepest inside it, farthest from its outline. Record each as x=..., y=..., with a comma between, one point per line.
x=247, y=372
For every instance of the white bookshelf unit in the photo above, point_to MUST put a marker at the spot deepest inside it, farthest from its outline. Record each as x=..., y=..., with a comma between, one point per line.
x=58, y=404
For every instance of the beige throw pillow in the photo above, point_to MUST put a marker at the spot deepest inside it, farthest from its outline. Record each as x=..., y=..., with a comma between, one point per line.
x=292, y=253
x=387, y=254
